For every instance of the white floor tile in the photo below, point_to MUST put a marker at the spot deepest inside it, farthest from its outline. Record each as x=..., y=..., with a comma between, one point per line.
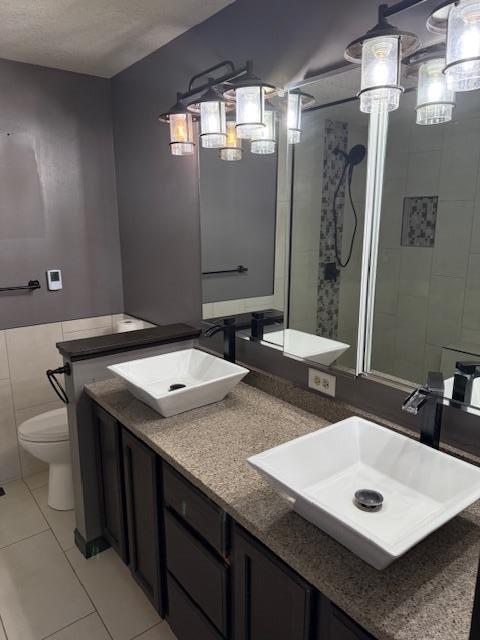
x=62, y=523
x=2, y=633
x=20, y=516
x=39, y=592
x=160, y=632
x=120, y=602
x=37, y=480
x=90, y=628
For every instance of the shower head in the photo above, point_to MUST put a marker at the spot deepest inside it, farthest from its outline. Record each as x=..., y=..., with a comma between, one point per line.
x=354, y=156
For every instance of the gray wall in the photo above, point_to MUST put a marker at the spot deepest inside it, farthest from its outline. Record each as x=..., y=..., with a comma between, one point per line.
x=157, y=194
x=57, y=195
x=237, y=219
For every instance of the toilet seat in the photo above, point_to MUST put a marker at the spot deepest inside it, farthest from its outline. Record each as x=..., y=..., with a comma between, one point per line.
x=51, y=426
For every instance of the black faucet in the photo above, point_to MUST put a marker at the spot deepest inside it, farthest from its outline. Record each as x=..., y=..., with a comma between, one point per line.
x=259, y=321
x=428, y=399
x=229, y=328
x=466, y=371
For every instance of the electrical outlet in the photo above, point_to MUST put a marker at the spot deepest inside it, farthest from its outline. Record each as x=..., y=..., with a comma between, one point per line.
x=321, y=381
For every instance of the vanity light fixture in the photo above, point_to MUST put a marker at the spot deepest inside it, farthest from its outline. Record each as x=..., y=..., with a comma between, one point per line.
x=435, y=101
x=181, y=129
x=213, y=123
x=232, y=151
x=249, y=93
x=462, y=68
x=297, y=100
x=265, y=141
x=380, y=51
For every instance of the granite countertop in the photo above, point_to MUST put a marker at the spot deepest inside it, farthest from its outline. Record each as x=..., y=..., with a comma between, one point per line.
x=425, y=595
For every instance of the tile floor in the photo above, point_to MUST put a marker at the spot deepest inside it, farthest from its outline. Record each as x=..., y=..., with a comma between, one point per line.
x=49, y=590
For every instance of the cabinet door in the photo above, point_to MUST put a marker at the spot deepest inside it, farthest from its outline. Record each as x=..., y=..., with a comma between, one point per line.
x=111, y=484
x=145, y=538
x=269, y=599
x=333, y=624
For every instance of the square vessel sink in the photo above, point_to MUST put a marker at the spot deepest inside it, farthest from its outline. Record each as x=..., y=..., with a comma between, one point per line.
x=422, y=488
x=305, y=346
x=179, y=381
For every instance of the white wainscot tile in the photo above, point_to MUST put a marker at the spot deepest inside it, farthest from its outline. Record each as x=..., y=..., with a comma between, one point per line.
x=31, y=351
x=384, y=343
x=391, y=221
x=388, y=270
x=258, y=304
x=460, y=161
x=228, y=307
x=9, y=460
x=207, y=310
x=411, y=331
x=433, y=357
x=86, y=324
x=475, y=244
x=452, y=238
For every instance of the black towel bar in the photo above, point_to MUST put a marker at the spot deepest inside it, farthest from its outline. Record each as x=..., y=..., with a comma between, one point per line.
x=31, y=286
x=239, y=269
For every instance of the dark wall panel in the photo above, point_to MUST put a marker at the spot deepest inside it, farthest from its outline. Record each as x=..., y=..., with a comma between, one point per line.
x=157, y=194
x=57, y=195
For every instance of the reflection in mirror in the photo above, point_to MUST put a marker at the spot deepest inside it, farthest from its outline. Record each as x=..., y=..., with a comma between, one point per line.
x=427, y=302
x=243, y=226
x=327, y=213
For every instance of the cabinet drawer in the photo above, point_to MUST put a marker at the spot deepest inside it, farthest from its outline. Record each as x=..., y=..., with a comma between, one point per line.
x=198, y=571
x=203, y=515
x=185, y=618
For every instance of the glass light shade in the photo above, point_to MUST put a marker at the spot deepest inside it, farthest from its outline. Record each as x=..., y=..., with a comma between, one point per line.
x=380, y=88
x=435, y=101
x=294, y=118
x=181, y=134
x=232, y=150
x=462, y=68
x=250, y=111
x=213, y=124
x=265, y=140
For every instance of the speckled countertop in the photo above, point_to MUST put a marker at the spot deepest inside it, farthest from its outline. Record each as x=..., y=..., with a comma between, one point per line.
x=425, y=595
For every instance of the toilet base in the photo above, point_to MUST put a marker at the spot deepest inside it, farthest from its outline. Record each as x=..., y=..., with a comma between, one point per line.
x=60, y=487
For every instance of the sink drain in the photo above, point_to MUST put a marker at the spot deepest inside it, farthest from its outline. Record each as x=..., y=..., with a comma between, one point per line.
x=368, y=500
x=175, y=387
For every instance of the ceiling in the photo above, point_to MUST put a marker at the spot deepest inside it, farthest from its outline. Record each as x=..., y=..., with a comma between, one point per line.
x=98, y=37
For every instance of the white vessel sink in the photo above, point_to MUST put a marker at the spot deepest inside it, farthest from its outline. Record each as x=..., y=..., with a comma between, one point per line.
x=204, y=379
x=422, y=488
x=305, y=346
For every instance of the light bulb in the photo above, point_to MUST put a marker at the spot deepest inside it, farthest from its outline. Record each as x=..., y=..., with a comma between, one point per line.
x=265, y=140
x=380, y=88
x=232, y=150
x=294, y=118
x=250, y=111
x=212, y=124
x=462, y=68
x=435, y=101
x=181, y=134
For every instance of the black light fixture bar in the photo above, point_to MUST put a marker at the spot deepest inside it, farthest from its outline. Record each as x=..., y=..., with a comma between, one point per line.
x=234, y=72
x=386, y=11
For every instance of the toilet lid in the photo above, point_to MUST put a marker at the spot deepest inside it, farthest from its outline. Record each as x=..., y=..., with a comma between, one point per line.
x=51, y=426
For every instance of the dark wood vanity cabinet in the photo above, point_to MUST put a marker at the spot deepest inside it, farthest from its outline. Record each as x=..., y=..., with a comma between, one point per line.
x=142, y=473
x=269, y=599
x=210, y=577
x=111, y=484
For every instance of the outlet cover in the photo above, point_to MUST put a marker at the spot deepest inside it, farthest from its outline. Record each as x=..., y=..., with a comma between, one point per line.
x=321, y=381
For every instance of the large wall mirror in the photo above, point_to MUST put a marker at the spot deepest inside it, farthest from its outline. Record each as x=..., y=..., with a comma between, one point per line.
x=427, y=296
x=242, y=213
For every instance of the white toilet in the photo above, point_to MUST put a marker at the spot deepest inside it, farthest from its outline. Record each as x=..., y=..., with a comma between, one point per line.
x=46, y=437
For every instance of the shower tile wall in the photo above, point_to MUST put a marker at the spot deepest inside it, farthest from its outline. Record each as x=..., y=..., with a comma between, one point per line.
x=317, y=306
x=25, y=354
x=428, y=297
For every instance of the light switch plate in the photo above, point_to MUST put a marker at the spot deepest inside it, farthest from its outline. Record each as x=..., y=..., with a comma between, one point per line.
x=321, y=381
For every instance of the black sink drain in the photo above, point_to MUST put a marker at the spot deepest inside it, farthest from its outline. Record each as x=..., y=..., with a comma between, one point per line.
x=368, y=500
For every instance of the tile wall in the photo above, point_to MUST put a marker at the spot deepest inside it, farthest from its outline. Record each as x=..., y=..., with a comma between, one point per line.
x=428, y=297
x=25, y=354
